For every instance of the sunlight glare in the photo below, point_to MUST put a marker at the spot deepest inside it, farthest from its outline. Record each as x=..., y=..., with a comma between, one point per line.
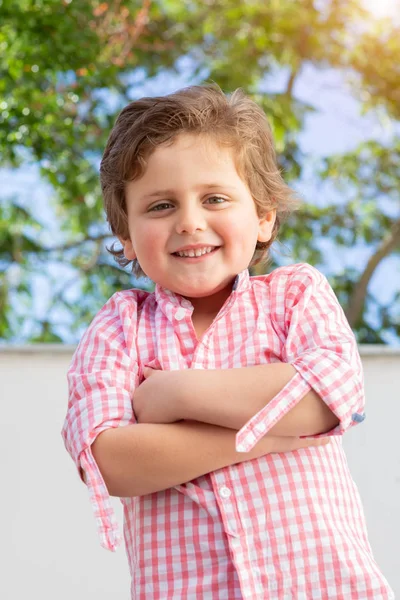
x=383, y=8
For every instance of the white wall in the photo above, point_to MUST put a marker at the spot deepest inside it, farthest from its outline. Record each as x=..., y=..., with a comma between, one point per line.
x=48, y=542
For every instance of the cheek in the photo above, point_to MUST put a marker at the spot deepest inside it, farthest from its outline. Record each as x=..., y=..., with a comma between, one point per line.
x=147, y=236
x=243, y=230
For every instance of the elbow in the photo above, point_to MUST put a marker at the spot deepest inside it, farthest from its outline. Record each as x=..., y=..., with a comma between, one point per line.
x=102, y=450
x=113, y=450
x=328, y=422
x=323, y=424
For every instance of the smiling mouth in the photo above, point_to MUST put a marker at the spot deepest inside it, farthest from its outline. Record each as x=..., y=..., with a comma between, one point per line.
x=196, y=252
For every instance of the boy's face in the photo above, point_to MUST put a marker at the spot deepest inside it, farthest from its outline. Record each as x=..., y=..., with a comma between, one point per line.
x=191, y=200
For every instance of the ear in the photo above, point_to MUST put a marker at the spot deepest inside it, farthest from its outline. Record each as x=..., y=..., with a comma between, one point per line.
x=266, y=225
x=129, y=252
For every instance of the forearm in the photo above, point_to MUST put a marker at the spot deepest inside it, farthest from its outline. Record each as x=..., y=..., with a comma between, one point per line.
x=231, y=397
x=145, y=458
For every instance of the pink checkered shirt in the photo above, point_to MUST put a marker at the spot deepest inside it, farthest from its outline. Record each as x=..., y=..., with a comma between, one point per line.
x=286, y=526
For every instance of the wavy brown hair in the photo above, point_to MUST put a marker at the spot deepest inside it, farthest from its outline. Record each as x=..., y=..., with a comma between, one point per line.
x=235, y=121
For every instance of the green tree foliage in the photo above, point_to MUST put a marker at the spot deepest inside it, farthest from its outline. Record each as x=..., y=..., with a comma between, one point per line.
x=67, y=68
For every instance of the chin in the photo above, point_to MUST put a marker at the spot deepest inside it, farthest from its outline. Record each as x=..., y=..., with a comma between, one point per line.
x=192, y=291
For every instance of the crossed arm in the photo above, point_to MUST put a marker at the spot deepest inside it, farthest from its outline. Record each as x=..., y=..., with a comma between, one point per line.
x=211, y=406
x=228, y=398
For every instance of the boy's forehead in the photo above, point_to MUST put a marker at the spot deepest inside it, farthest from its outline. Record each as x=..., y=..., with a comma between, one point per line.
x=190, y=160
x=201, y=151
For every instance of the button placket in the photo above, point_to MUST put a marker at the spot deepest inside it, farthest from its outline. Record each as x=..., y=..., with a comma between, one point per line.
x=180, y=314
x=224, y=492
x=227, y=502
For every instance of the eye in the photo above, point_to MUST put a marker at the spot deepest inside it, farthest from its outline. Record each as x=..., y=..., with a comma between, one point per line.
x=216, y=200
x=161, y=206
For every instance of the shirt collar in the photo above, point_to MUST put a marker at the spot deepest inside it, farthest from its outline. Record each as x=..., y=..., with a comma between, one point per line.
x=242, y=282
x=168, y=300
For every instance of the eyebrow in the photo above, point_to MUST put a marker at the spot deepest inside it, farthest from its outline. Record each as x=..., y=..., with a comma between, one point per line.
x=208, y=186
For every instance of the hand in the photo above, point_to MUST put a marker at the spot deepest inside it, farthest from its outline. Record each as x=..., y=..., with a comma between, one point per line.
x=156, y=400
x=270, y=444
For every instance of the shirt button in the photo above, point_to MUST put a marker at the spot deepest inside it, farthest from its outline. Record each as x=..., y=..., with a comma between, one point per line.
x=224, y=492
x=180, y=314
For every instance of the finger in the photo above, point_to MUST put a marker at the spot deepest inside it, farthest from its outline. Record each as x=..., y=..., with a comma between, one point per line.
x=147, y=371
x=322, y=441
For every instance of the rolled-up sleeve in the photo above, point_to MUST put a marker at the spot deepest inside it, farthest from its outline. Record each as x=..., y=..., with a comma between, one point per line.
x=101, y=380
x=321, y=347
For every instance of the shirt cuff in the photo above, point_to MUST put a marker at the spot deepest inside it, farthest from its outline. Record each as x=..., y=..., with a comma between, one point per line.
x=107, y=525
x=259, y=425
x=341, y=389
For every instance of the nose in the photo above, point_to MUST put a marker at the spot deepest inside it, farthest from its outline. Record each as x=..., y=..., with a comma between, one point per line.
x=190, y=219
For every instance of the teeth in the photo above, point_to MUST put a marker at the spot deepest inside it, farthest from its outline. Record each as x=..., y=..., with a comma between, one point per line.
x=197, y=252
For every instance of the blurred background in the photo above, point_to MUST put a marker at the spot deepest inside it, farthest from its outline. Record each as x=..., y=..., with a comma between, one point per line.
x=327, y=73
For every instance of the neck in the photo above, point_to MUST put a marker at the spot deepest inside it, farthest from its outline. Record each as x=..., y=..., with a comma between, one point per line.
x=211, y=305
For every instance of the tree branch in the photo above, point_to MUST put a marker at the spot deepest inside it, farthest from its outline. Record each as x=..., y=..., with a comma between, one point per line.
x=290, y=84
x=70, y=245
x=357, y=300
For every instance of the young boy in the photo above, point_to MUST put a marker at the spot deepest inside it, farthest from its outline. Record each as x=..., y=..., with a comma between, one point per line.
x=190, y=402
